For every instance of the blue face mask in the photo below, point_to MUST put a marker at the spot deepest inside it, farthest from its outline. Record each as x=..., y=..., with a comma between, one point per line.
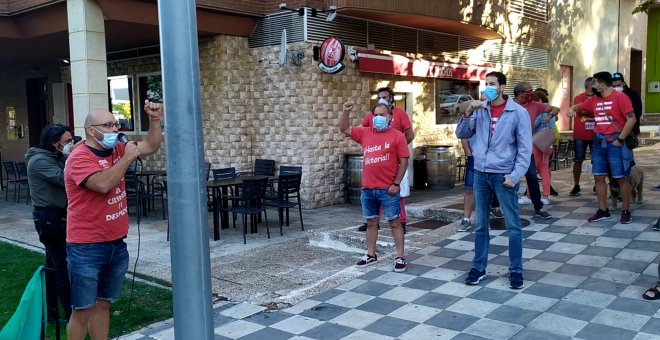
x=109, y=140
x=490, y=92
x=383, y=101
x=380, y=123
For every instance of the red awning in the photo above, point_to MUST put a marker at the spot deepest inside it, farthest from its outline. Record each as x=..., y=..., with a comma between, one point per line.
x=403, y=66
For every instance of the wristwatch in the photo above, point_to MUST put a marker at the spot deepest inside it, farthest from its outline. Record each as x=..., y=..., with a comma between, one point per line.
x=396, y=184
x=620, y=140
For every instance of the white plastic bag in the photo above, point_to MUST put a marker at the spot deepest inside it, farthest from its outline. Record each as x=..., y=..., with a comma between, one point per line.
x=404, y=188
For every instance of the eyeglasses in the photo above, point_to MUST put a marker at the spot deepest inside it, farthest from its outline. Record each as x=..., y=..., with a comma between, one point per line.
x=108, y=125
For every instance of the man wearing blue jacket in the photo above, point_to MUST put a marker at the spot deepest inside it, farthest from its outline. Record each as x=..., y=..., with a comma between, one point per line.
x=502, y=150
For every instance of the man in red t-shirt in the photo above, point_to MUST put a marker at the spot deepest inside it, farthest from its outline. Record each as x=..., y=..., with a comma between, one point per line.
x=615, y=120
x=401, y=122
x=386, y=154
x=97, y=217
x=583, y=135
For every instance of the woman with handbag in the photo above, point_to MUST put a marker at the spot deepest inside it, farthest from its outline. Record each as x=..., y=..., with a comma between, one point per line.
x=544, y=138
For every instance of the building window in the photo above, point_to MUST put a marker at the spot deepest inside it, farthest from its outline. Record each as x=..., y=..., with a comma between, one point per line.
x=452, y=97
x=120, y=93
x=126, y=106
x=150, y=87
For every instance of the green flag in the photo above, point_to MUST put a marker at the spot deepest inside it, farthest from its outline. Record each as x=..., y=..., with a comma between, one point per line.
x=25, y=324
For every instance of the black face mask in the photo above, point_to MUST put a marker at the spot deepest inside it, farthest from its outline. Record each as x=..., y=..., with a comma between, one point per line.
x=593, y=89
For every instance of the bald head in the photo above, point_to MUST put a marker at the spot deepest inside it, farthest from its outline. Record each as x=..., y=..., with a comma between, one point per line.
x=98, y=116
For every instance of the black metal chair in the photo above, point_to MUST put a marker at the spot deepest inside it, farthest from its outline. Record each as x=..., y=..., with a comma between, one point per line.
x=224, y=173
x=10, y=179
x=21, y=181
x=288, y=189
x=289, y=169
x=250, y=202
x=262, y=167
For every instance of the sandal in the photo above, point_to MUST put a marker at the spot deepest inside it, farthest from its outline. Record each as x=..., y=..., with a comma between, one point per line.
x=652, y=293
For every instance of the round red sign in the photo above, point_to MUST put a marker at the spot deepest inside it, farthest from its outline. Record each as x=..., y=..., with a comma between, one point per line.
x=332, y=55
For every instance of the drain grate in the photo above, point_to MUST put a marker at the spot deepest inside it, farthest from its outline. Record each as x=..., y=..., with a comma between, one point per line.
x=429, y=224
x=498, y=223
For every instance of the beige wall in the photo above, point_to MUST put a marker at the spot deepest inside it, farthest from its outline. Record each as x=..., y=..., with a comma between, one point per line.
x=584, y=35
x=13, y=90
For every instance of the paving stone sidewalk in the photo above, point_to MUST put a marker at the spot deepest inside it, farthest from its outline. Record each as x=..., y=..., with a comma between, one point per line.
x=582, y=281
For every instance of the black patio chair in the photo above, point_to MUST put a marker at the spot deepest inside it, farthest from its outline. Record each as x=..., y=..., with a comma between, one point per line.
x=10, y=179
x=262, y=167
x=288, y=189
x=21, y=181
x=250, y=202
x=290, y=169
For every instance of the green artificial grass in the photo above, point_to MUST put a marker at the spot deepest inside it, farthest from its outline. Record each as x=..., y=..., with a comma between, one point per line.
x=148, y=304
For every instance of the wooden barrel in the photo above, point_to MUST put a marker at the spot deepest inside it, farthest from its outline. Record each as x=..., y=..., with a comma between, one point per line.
x=354, y=177
x=441, y=167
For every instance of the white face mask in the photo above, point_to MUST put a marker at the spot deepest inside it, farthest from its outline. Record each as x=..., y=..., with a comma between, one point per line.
x=66, y=150
x=618, y=88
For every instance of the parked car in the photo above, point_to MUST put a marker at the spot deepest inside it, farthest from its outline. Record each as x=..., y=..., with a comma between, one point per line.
x=455, y=104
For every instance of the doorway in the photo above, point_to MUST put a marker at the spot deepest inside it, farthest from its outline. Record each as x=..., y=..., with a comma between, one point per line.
x=566, y=89
x=37, y=107
x=635, y=81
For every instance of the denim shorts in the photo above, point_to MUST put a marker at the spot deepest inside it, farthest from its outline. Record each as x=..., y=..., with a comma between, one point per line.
x=580, y=148
x=96, y=272
x=469, y=173
x=608, y=157
x=375, y=199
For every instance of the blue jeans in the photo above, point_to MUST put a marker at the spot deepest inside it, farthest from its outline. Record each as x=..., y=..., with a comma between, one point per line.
x=533, y=185
x=486, y=184
x=608, y=156
x=96, y=272
x=580, y=148
x=469, y=173
x=374, y=199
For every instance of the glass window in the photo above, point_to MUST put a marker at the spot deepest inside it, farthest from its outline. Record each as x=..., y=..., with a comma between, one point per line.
x=452, y=97
x=150, y=87
x=120, y=93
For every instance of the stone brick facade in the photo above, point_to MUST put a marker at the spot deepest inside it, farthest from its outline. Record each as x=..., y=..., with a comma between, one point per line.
x=252, y=107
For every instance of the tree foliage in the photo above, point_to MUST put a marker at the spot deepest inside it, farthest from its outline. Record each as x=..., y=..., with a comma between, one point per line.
x=644, y=6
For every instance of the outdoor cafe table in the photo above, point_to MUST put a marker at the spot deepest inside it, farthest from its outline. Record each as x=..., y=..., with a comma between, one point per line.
x=220, y=188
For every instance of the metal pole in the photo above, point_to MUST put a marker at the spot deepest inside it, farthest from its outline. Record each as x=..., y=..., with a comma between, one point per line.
x=186, y=184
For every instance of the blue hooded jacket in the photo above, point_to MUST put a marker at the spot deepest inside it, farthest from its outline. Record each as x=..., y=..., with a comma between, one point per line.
x=505, y=151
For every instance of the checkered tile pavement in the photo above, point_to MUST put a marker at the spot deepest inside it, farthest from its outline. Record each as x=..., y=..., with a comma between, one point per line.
x=582, y=281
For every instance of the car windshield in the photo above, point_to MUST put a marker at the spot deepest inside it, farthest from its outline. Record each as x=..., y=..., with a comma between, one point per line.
x=449, y=99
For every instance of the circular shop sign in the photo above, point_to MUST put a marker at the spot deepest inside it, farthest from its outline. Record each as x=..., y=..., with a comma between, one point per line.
x=332, y=55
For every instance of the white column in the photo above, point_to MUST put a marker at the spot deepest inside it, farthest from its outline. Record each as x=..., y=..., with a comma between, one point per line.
x=87, y=51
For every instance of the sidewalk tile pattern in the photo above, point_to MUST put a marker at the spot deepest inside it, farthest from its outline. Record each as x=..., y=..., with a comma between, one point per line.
x=582, y=280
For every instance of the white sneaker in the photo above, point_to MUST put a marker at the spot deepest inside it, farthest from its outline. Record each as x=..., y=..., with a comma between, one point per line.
x=524, y=200
x=545, y=201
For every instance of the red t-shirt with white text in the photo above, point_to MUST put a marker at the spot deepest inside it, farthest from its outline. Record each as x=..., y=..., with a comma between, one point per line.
x=93, y=217
x=612, y=108
x=381, y=151
x=400, y=120
x=495, y=113
x=583, y=126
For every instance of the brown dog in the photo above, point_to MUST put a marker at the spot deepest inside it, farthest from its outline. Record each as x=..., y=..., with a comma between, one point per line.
x=636, y=179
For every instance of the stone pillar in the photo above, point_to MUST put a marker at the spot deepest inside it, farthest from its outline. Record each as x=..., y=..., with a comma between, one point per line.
x=89, y=72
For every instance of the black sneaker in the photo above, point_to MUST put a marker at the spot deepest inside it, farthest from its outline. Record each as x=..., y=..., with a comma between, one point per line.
x=600, y=215
x=542, y=214
x=366, y=260
x=553, y=192
x=656, y=226
x=364, y=227
x=496, y=212
x=474, y=276
x=516, y=281
x=626, y=217
x=575, y=191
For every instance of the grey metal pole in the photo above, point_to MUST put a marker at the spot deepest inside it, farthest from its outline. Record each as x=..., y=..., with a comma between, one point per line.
x=186, y=176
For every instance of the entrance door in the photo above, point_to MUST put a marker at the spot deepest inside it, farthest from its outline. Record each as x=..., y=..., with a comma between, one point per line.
x=37, y=106
x=635, y=81
x=566, y=97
